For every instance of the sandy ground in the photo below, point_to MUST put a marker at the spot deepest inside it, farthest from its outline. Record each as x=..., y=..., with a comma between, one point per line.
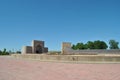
x=18, y=69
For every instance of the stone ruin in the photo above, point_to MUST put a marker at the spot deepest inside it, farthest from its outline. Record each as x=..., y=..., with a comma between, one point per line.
x=36, y=48
x=66, y=49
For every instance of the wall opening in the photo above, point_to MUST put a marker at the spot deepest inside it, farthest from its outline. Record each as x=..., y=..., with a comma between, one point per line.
x=38, y=49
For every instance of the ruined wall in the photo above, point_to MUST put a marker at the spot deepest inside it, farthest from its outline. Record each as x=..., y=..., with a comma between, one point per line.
x=26, y=49
x=65, y=46
x=45, y=50
x=114, y=51
x=66, y=49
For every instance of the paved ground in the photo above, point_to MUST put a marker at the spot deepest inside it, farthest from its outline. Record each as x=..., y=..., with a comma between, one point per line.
x=15, y=69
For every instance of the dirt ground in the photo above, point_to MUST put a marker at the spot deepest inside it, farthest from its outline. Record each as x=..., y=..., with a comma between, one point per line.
x=18, y=69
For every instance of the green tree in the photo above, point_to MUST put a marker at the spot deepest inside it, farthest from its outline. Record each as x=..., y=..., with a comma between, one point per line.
x=103, y=45
x=4, y=52
x=85, y=46
x=19, y=52
x=74, y=47
x=80, y=46
x=113, y=44
x=90, y=45
x=0, y=52
x=100, y=45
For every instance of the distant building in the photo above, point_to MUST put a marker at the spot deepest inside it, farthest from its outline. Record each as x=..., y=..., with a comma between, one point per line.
x=36, y=48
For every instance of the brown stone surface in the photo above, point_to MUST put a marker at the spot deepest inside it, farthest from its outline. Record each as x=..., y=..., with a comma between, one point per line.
x=64, y=46
x=18, y=69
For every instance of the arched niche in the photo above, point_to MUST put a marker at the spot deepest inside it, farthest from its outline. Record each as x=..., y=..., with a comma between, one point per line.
x=38, y=49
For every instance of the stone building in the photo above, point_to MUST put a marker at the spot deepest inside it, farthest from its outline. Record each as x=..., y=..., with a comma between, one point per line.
x=36, y=48
x=65, y=47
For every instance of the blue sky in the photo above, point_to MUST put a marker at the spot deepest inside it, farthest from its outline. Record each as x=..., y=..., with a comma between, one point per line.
x=57, y=21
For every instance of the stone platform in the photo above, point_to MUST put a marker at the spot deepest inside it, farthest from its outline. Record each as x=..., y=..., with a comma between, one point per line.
x=71, y=58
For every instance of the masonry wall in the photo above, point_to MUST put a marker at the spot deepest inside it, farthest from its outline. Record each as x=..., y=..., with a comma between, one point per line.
x=65, y=45
x=35, y=43
x=37, y=47
x=71, y=51
x=69, y=58
x=45, y=50
x=26, y=49
x=66, y=50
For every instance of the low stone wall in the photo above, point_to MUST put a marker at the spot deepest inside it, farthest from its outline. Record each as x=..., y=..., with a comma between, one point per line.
x=73, y=58
x=92, y=51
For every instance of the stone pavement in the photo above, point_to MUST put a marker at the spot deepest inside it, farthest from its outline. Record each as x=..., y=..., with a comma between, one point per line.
x=18, y=69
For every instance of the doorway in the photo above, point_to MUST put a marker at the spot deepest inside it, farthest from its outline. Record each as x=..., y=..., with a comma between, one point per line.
x=39, y=49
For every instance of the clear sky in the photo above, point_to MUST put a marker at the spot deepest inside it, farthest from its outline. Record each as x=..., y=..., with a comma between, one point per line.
x=57, y=21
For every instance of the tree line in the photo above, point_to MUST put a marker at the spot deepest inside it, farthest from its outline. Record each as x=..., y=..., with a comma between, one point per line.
x=96, y=45
x=5, y=52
